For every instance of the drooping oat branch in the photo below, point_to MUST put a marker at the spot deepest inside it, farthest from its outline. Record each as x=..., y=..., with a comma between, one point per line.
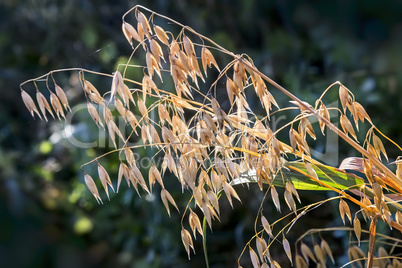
x=210, y=148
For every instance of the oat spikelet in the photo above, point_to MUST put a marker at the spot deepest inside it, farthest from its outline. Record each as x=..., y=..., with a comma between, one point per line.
x=300, y=262
x=323, y=111
x=275, y=198
x=56, y=105
x=307, y=253
x=357, y=228
x=261, y=247
x=379, y=146
x=62, y=97
x=229, y=191
x=156, y=50
x=143, y=21
x=94, y=114
x=344, y=209
x=254, y=258
x=267, y=226
x=327, y=250
x=130, y=33
x=286, y=247
x=105, y=179
x=344, y=97
x=208, y=59
x=89, y=88
x=289, y=201
x=43, y=104
x=319, y=254
x=195, y=224
x=347, y=126
x=166, y=199
x=160, y=33
x=153, y=176
x=120, y=108
x=92, y=187
x=29, y=103
x=96, y=98
x=117, y=85
x=187, y=241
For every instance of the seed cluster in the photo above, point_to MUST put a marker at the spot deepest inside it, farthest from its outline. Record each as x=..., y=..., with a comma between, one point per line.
x=211, y=149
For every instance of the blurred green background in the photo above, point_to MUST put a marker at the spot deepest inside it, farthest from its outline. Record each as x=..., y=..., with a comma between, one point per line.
x=47, y=216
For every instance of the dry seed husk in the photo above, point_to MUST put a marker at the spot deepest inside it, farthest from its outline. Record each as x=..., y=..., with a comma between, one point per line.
x=323, y=111
x=120, y=108
x=275, y=198
x=286, y=247
x=156, y=50
x=357, y=228
x=131, y=33
x=117, y=85
x=254, y=258
x=187, y=241
x=289, y=201
x=261, y=247
x=89, y=88
x=344, y=97
x=160, y=33
x=361, y=112
x=105, y=179
x=379, y=146
x=208, y=59
x=300, y=262
x=347, y=126
x=267, y=226
x=92, y=187
x=143, y=109
x=155, y=175
x=43, y=104
x=327, y=250
x=213, y=199
x=166, y=199
x=54, y=100
x=62, y=97
x=94, y=114
x=195, y=224
x=29, y=103
x=95, y=97
x=319, y=254
x=307, y=253
x=143, y=21
x=344, y=209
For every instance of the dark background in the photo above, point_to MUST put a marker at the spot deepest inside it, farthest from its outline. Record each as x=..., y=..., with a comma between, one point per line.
x=47, y=216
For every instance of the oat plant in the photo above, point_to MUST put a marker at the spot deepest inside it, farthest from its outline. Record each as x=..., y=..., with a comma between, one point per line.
x=204, y=128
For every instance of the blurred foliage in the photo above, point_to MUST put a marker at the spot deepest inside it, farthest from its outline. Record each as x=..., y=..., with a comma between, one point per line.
x=49, y=219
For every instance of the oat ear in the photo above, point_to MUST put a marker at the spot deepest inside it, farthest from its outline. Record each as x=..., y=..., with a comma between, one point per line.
x=29, y=103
